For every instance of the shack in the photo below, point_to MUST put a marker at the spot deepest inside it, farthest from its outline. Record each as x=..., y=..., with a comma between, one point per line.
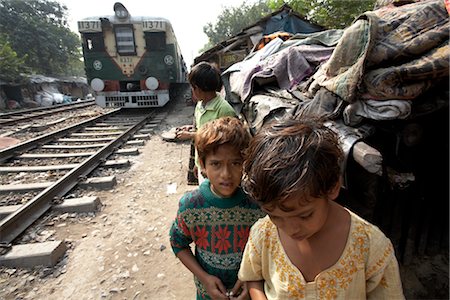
x=236, y=48
x=383, y=84
x=38, y=90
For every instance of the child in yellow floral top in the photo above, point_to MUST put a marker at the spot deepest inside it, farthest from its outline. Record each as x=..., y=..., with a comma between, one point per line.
x=308, y=246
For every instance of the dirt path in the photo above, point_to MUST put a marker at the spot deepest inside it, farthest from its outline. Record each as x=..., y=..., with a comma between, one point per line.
x=123, y=252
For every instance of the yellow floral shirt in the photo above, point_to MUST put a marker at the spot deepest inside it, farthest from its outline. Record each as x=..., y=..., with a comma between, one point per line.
x=367, y=268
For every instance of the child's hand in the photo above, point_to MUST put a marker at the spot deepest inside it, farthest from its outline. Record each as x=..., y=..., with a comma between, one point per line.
x=239, y=291
x=184, y=135
x=215, y=288
x=185, y=132
x=185, y=128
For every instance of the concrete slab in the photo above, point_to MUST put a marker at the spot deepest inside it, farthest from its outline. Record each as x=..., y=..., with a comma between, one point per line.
x=110, y=123
x=82, y=147
x=142, y=136
x=6, y=210
x=79, y=205
x=81, y=134
x=108, y=163
x=53, y=155
x=128, y=151
x=116, y=128
x=25, y=187
x=96, y=182
x=85, y=140
x=119, y=163
x=37, y=168
x=136, y=142
x=103, y=183
x=146, y=131
x=36, y=254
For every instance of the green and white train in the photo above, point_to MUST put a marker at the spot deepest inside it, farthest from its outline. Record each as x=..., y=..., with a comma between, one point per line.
x=131, y=61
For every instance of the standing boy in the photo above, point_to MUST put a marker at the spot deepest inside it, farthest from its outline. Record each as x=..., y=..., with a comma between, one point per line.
x=205, y=82
x=218, y=215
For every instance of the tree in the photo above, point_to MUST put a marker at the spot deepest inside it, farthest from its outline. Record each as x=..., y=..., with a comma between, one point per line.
x=336, y=14
x=37, y=30
x=233, y=19
x=11, y=65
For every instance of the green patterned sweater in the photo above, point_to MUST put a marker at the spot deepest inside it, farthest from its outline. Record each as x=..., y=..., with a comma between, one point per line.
x=219, y=227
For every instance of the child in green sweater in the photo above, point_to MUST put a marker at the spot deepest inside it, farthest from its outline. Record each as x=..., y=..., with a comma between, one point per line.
x=218, y=215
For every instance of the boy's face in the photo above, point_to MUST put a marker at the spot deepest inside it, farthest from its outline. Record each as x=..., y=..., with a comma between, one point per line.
x=303, y=219
x=224, y=170
x=195, y=93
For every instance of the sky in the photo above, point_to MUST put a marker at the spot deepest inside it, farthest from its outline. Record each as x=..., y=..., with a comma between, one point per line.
x=187, y=17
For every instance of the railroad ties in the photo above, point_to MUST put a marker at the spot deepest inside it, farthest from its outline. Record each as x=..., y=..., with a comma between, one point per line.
x=15, y=117
x=38, y=174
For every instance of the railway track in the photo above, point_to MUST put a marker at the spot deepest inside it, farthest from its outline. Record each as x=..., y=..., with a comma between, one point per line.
x=35, y=175
x=15, y=117
x=29, y=124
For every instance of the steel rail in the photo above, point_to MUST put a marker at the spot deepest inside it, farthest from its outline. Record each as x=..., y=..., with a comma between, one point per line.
x=33, y=143
x=17, y=222
x=25, y=111
x=17, y=116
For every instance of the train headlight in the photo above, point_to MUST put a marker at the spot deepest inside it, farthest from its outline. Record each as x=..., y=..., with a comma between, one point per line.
x=151, y=83
x=120, y=11
x=97, y=84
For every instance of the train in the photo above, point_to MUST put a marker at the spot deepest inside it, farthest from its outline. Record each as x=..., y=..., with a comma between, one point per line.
x=131, y=61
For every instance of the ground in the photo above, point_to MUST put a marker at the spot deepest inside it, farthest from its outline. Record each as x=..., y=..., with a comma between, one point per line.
x=123, y=252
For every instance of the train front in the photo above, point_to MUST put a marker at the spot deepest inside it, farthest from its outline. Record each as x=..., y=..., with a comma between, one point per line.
x=130, y=61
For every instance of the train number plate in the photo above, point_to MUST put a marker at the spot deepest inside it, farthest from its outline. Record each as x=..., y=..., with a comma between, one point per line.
x=153, y=25
x=89, y=26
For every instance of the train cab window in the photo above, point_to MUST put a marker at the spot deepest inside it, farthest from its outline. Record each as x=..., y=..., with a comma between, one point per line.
x=125, y=40
x=155, y=41
x=93, y=42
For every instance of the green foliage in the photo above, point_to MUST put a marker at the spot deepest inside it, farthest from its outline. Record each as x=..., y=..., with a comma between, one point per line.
x=38, y=31
x=11, y=65
x=337, y=14
x=233, y=19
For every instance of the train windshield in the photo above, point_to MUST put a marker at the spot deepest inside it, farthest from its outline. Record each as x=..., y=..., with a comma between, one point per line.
x=125, y=40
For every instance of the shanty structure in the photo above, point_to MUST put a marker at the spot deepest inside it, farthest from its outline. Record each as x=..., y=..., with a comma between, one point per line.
x=385, y=90
x=239, y=46
x=32, y=90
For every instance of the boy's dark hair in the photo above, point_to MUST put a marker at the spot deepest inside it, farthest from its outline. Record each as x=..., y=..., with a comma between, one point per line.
x=292, y=157
x=206, y=77
x=225, y=130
